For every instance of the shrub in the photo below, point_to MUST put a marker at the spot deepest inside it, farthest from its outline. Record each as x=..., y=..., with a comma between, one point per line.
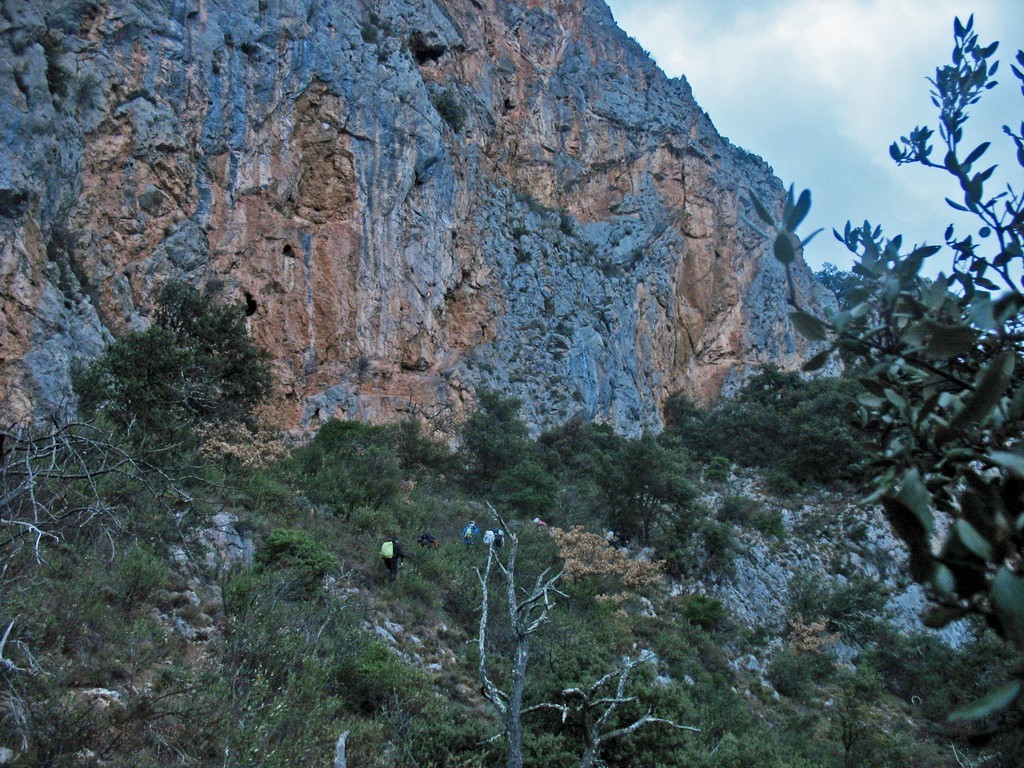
x=347, y=465
x=139, y=574
x=528, y=489
x=296, y=550
x=718, y=469
x=737, y=509
x=797, y=431
x=448, y=107
x=794, y=673
x=373, y=674
x=706, y=612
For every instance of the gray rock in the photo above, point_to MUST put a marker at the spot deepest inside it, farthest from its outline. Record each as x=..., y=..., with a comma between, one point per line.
x=578, y=243
x=226, y=546
x=384, y=634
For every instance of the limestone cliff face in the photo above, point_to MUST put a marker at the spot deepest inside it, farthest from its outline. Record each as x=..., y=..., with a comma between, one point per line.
x=413, y=198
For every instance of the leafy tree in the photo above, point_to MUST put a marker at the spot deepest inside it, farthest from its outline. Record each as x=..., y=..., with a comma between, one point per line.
x=838, y=281
x=943, y=370
x=349, y=464
x=195, y=363
x=494, y=439
x=527, y=488
x=640, y=482
x=417, y=452
x=801, y=430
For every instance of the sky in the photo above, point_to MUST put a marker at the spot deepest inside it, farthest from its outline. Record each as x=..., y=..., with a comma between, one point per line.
x=820, y=88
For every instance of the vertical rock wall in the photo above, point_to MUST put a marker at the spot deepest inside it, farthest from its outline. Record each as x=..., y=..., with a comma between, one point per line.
x=412, y=198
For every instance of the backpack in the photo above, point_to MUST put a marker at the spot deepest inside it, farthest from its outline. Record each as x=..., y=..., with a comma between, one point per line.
x=387, y=550
x=488, y=537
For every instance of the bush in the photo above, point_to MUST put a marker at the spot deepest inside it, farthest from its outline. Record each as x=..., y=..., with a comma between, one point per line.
x=795, y=674
x=448, y=107
x=296, y=550
x=527, y=489
x=737, y=509
x=706, y=612
x=138, y=575
x=798, y=431
x=373, y=674
x=856, y=608
x=718, y=469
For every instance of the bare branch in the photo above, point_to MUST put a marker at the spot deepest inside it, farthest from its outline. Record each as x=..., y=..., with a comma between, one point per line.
x=638, y=724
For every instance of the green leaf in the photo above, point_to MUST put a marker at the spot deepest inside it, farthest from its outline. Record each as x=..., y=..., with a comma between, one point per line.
x=817, y=362
x=973, y=540
x=908, y=525
x=762, y=209
x=937, y=618
x=989, y=388
x=990, y=704
x=946, y=341
x=814, y=234
x=915, y=496
x=1008, y=600
x=982, y=312
x=799, y=212
x=943, y=580
x=809, y=326
x=1013, y=462
x=783, y=248
x=868, y=400
x=978, y=152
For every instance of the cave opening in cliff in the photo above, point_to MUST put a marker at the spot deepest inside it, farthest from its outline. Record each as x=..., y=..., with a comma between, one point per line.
x=423, y=51
x=250, y=305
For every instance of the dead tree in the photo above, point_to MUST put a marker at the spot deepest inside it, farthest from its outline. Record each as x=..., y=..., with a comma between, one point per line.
x=596, y=710
x=50, y=482
x=527, y=612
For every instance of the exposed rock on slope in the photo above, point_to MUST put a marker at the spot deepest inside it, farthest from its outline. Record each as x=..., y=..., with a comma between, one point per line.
x=414, y=199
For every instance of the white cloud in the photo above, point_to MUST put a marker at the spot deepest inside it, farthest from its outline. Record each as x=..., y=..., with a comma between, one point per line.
x=820, y=88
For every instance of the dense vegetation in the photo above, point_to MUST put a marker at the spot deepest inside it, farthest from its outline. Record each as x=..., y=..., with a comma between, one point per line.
x=129, y=643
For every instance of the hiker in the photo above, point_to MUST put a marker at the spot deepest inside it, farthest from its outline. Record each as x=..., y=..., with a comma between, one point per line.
x=499, y=538
x=391, y=552
x=488, y=537
x=614, y=540
x=428, y=541
x=469, y=533
x=541, y=525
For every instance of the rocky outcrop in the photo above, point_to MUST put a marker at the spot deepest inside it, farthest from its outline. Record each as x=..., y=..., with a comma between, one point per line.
x=413, y=199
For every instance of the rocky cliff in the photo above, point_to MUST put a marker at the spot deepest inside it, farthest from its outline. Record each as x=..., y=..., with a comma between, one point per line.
x=413, y=199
